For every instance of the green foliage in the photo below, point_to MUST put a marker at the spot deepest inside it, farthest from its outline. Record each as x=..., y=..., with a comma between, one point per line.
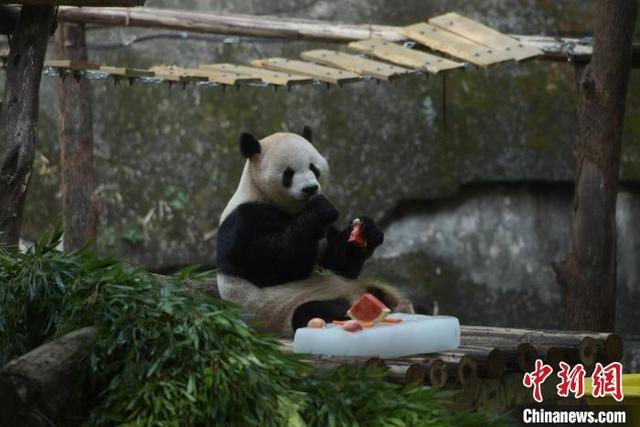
x=167, y=355
x=133, y=236
x=32, y=287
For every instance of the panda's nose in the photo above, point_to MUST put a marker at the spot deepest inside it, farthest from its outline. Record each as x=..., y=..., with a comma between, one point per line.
x=310, y=189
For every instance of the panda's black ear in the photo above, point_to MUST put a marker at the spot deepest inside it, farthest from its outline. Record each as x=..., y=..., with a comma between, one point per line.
x=307, y=134
x=249, y=145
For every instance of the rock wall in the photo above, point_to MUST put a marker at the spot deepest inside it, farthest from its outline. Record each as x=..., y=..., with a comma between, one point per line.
x=485, y=254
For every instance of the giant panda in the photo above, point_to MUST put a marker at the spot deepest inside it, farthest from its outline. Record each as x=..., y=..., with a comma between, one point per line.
x=279, y=254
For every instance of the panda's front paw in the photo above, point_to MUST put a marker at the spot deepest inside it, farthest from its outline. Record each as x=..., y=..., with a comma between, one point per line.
x=323, y=209
x=372, y=234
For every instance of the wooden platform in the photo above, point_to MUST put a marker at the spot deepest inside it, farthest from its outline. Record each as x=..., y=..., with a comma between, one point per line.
x=490, y=363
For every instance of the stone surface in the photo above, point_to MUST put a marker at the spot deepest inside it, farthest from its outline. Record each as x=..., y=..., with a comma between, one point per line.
x=485, y=255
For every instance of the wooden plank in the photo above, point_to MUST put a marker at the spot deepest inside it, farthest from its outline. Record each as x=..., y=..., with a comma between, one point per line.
x=175, y=74
x=484, y=35
x=459, y=47
x=125, y=72
x=318, y=72
x=404, y=56
x=65, y=64
x=269, y=76
x=224, y=77
x=355, y=64
x=200, y=74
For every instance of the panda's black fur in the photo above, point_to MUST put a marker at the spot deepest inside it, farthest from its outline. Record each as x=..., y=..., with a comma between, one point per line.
x=267, y=246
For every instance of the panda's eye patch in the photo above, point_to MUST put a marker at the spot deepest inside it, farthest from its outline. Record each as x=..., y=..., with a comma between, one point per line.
x=287, y=177
x=315, y=170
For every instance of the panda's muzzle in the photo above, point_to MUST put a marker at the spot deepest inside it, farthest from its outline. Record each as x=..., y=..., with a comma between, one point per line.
x=310, y=190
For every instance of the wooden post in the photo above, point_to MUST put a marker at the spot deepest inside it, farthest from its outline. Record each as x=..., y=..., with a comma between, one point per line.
x=19, y=115
x=78, y=181
x=588, y=273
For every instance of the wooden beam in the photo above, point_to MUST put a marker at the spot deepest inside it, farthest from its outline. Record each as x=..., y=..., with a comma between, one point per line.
x=355, y=64
x=19, y=115
x=412, y=58
x=268, y=76
x=553, y=48
x=318, y=72
x=75, y=135
x=227, y=23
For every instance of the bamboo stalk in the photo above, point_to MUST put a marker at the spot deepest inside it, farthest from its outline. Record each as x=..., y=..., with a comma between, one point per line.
x=433, y=372
x=460, y=367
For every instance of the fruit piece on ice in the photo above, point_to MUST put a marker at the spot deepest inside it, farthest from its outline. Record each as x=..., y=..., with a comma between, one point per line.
x=368, y=309
x=316, y=322
x=352, y=326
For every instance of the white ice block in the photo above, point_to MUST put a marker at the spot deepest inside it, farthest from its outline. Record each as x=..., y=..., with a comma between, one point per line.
x=416, y=334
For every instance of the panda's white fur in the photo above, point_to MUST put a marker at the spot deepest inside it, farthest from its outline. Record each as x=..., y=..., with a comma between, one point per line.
x=261, y=180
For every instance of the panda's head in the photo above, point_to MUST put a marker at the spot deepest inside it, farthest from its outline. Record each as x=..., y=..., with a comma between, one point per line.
x=286, y=168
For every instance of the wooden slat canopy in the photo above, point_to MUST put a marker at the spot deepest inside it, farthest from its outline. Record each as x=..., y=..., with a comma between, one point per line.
x=444, y=41
x=268, y=76
x=397, y=54
x=318, y=72
x=355, y=64
x=486, y=36
x=451, y=33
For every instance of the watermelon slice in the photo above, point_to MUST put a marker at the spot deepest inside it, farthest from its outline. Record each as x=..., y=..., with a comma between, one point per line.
x=355, y=237
x=368, y=309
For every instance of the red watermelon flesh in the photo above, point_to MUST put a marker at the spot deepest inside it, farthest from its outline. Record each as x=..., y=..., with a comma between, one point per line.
x=368, y=309
x=355, y=237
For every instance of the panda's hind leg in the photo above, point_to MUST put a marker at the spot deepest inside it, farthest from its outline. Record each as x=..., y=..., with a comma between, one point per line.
x=329, y=310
